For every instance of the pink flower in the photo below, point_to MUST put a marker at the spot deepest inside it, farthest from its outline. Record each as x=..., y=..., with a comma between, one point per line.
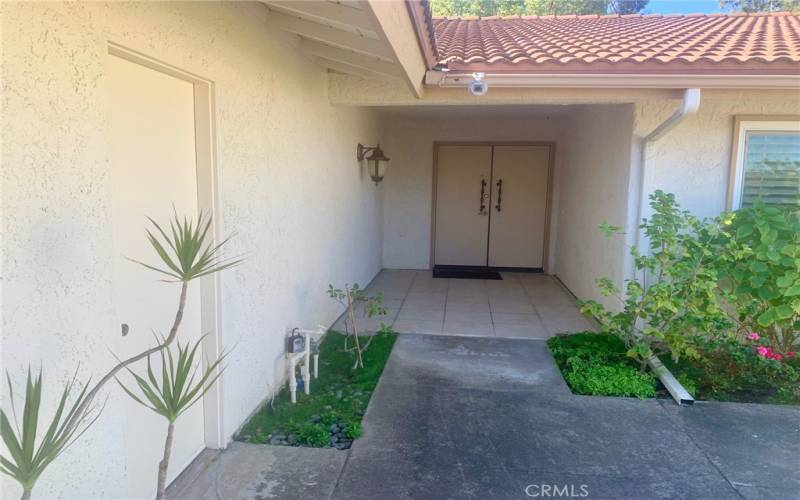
x=768, y=353
x=753, y=336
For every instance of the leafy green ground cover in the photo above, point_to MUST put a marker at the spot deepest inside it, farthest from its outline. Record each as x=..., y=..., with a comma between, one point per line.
x=331, y=415
x=596, y=364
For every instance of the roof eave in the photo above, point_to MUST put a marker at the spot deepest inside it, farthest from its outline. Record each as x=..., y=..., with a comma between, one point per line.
x=616, y=80
x=702, y=66
x=422, y=20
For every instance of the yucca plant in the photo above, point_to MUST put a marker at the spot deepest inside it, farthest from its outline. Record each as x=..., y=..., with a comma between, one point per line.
x=176, y=391
x=186, y=253
x=26, y=458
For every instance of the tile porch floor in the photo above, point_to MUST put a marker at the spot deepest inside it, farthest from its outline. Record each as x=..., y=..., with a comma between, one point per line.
x=524, y=306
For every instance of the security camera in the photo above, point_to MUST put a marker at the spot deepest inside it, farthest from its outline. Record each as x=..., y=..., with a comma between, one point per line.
x=477, y=86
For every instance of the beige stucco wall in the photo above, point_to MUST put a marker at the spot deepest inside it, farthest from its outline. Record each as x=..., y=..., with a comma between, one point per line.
x=693, y=160
x=304, y=212
x=599, y=178
x=408, y=189
x=593, y=188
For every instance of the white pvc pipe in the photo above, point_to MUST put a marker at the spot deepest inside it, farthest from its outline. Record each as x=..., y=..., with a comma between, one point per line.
x=304, y=360
x=305, y=369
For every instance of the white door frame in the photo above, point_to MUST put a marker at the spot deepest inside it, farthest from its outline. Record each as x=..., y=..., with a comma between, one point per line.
x=550, y=174
x=208, y=203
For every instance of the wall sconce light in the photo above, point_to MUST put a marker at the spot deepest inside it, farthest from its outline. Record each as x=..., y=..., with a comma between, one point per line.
x=376, y=161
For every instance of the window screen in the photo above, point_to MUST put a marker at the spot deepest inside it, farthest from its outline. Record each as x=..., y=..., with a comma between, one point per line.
x=771, y=168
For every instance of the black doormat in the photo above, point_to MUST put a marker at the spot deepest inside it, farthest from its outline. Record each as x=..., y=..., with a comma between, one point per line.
x=465, y=273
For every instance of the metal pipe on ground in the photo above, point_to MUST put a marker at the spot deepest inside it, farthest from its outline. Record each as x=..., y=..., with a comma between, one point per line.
x=675, y=389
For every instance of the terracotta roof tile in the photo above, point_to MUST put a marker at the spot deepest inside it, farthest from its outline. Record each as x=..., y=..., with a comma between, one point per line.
x=733, y=43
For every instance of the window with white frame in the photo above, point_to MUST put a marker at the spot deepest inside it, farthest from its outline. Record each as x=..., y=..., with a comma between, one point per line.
x=766, y=162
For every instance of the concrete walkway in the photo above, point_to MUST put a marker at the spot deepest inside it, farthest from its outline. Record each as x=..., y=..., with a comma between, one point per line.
x=459, y=417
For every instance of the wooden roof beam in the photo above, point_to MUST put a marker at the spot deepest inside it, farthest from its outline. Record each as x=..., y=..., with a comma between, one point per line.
x=369, y=63
x=337, y=15
x=352, y=70
x=328, y=35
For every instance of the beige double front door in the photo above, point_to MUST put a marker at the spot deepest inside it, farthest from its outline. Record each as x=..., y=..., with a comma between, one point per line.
x=491, y=205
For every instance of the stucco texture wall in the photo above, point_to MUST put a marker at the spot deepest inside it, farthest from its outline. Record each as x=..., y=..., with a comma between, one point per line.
x=408, y=190
x=304, y=212
x=693, y=159
x=593, y=188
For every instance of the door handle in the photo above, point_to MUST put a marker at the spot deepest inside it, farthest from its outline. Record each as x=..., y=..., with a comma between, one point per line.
x=499, y=195
x=482, y=210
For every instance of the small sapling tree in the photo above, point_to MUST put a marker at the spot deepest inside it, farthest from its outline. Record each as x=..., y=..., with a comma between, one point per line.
x=353, y=298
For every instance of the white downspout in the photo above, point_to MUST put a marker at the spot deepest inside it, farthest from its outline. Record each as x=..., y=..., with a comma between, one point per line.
x=689, y=106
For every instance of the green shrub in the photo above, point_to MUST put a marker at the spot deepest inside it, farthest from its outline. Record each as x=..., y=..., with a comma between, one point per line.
x=732, y=371
x=329, y=417
x=599, y=379
x=721, y=296
x=352, y=429
x=688, y=383
x=673, y=303
x=315, y=435
x=759, y=258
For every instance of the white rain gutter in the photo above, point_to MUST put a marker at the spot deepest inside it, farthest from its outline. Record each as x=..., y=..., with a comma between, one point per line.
x=450, y=79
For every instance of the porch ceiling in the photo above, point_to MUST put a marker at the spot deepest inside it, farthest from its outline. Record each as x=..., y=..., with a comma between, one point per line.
x=481, y=111
x=358, y=38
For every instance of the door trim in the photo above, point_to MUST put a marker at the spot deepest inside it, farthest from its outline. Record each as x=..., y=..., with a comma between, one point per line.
x=551, y=145
x=491, y=204
x=208, y=202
